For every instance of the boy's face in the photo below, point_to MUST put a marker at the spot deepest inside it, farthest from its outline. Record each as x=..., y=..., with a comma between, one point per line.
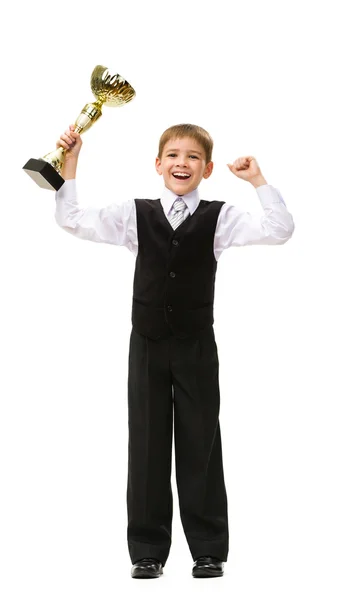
x=182, y=157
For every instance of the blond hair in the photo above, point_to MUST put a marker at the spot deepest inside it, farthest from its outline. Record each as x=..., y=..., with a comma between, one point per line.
x=187, y=130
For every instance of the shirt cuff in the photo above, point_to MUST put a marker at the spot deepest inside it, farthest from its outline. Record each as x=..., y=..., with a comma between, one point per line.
x=269, y=194
x=67, y=190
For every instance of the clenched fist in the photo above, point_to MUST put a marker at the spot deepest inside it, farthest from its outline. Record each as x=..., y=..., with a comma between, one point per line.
x=72, y=142
x=245, y=168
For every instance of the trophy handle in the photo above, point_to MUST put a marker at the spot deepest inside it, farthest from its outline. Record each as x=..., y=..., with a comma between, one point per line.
x=88, y=116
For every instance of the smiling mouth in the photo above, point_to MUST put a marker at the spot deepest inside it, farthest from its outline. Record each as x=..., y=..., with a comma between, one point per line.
x=181, y=177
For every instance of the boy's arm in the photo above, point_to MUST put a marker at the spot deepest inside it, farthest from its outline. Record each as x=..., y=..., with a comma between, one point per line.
x=239, y=228
x=113, y=224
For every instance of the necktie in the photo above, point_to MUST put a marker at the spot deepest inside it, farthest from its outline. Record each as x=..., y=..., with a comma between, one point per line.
x=177, y=216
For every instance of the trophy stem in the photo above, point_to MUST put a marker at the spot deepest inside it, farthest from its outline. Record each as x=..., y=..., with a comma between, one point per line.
x=89, y=115
x=56, y=158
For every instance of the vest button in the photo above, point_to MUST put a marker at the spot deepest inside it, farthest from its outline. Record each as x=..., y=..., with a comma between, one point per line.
x=172, y=274
x=175, y=242
x=170, y=308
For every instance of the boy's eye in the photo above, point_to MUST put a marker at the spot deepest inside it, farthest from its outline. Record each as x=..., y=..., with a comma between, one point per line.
x=191, y=156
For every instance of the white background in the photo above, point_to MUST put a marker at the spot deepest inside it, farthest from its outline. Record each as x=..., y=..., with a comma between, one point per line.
x=265, y=79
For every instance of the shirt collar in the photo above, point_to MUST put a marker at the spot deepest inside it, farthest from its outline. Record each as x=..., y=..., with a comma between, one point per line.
x=168, y=197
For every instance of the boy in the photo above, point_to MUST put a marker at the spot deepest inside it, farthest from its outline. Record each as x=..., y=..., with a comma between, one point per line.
x=173, y=360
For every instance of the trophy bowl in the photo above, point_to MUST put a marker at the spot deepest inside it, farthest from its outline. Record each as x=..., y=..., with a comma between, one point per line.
x=113, y=90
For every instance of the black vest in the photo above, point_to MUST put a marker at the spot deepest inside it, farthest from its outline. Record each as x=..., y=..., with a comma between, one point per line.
x=175, y=270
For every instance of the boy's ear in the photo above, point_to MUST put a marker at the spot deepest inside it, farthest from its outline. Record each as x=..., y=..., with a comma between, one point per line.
x=159, y=166
x=208, y=170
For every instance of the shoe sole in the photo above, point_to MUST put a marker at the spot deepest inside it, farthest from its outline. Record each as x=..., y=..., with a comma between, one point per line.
x=146, y=575
x=207, y=573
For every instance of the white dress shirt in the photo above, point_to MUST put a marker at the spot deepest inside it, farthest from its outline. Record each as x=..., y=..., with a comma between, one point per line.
x=117, y=224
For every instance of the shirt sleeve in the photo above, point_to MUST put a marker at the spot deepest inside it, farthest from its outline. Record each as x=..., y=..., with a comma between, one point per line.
x=239, y=228
x=113, y=224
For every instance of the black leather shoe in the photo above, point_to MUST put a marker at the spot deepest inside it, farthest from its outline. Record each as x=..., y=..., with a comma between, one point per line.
x=147, y=568
x=208, y=566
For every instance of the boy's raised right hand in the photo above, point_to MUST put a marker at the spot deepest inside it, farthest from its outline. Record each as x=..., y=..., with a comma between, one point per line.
x=72, y=142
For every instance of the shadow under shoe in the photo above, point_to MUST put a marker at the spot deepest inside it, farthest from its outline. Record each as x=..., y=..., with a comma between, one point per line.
x=147, y=568
x=208, y=566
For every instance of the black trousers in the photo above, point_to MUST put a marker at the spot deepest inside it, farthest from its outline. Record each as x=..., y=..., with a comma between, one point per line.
x=175, y=381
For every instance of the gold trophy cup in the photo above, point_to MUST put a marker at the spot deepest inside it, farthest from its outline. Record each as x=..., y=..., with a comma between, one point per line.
x=111, y=90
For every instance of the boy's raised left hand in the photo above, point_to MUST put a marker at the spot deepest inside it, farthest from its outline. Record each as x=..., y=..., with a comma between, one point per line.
x=246, y=168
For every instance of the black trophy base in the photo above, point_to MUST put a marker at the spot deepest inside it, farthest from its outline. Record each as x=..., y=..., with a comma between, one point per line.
x=43, y=174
